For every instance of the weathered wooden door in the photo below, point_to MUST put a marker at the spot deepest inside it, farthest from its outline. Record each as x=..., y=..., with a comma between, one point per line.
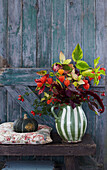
x=32, y=33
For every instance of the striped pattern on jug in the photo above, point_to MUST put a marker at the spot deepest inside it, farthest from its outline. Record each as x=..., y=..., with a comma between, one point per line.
x=72, y=124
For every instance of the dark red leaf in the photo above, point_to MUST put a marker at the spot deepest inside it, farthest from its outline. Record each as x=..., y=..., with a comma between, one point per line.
x=95, y=97
x=94, y=107
x=56, y=67
x=41, y=90
x=72, y=104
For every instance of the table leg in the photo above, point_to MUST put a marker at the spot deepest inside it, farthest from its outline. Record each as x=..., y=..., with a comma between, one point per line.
x=70, y=163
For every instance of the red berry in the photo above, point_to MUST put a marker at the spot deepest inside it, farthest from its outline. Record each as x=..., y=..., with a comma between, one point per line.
x=55, y=100
x=22, y=100
x=103, y=94
x=99, y=77
x=40, y=114
x=88, y=97
x=39, y=84
x=33, y=113
x=50, y=80
x=86, y=86
x=61, y=78
x=43, y=79
x=103, y=69
x=67, y=83
x=19, y=98
x=48, y=101
x=90, y=78
x=100, y=110
x=93, y=72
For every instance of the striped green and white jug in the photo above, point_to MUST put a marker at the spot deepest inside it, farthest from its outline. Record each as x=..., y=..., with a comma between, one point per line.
x=71, y=123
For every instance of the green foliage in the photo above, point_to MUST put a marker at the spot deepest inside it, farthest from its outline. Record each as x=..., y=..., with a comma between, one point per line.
x=69, y=83
x=77, y=54
x=51, y=74
x=61, y=57
x=42, y=72
x=96, y=61
x=82, y=65
x=67, y=61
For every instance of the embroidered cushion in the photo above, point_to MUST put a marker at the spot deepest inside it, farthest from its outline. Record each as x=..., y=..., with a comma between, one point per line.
x=8, y=136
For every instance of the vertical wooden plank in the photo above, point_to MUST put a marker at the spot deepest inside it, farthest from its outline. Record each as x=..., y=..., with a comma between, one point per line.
x=13, y=109
x=88, y=30
x=58, y=29
x=88, y=45
x=3, y=28
x=29, y=33
x=44, y=33
x=14, y=50
x=100, y=51
x=3, y=54
x=3, y=108
x=74, y=18
x=14, y=32
x=105, y=61
x=100, y=134
x=105, y=134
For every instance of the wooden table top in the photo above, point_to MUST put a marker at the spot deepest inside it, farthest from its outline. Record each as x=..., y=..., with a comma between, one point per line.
x=56, y=148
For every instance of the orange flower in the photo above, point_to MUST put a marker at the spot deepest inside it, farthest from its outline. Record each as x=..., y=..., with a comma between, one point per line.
x=86, y=86
x=67, y=83
x=85, y=81
x=49, y=101
x=61, y=71
x=43, y=79
x=39, y=84
x=50, y=80
x=61, y=78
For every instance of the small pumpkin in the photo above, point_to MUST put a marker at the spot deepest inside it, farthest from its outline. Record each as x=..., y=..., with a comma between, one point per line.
x=25, y=124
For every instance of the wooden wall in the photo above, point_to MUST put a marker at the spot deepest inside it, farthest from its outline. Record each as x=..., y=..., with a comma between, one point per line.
x=33, y=32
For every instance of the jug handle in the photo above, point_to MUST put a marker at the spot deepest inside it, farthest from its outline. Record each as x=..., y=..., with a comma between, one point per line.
x=54, y=114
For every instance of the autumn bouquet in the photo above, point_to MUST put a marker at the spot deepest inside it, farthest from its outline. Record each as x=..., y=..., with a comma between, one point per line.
x=68, y=82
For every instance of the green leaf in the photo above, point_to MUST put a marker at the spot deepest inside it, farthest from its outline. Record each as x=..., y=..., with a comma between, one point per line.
x=57, y=74
x=51, y=74
x=74, y=76
x=87, y=72
x=67, y=61
x=75, y=83
x=96, y=61
x=79, y=77
x=42, y=99
x=27, y=94
x=81, y=82
x=66, y=67
x=69, y=78
x=97, y=82
x=96, y=69
x=102, y=72
x=77, y=54
x=61, y=57
x=82, y=65
x=59, y=82
x=46, y=94
x=42, y=72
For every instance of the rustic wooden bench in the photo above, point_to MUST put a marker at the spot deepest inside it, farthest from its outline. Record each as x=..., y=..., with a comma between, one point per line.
x=56, y=148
